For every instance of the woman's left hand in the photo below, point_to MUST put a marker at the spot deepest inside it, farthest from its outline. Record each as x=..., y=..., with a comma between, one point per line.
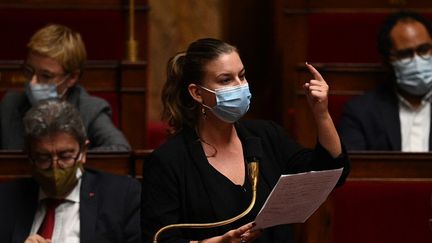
x=317, y=92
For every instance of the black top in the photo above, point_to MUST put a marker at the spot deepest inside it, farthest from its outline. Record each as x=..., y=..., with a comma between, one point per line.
x=180, y=186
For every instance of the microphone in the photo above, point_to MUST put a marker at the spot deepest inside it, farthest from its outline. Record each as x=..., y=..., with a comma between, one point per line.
x=253, y=152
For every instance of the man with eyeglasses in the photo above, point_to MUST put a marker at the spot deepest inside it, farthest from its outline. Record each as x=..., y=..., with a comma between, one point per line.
x=55, y=63
x=397, y=115
x=63, y=202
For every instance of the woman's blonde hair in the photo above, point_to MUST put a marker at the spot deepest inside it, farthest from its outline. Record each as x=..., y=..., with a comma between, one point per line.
x=60, y=43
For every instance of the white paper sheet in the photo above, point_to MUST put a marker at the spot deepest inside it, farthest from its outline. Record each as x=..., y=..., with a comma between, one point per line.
x=296, y=197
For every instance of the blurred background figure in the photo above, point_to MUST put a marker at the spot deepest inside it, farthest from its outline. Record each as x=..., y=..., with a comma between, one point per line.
x=55, y=63
x=64, y=202
x=396, y=115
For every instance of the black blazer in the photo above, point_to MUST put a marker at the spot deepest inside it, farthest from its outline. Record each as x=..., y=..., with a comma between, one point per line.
x=109, y=209
x=371, y=121
x=179, y=185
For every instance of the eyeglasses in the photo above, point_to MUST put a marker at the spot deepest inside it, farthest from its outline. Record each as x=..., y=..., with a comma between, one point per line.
x=63, y=160
x=42, y=76
x=407, y=55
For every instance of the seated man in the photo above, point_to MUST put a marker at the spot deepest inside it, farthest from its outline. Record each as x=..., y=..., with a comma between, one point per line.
x=62, y=201
x=54, y=64
x=397, y=115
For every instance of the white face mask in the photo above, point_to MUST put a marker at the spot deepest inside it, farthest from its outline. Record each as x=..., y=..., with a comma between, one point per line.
x=38, y=92
x=231, y=103
x=415, y=76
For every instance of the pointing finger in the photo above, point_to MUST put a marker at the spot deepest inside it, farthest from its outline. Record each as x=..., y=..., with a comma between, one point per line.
x=314, y=72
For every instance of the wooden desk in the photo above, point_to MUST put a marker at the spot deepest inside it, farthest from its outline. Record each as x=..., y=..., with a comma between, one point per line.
x=371, y=165
x=139, y=157
x=381, y=167
x=394, y=170
x=15, y=164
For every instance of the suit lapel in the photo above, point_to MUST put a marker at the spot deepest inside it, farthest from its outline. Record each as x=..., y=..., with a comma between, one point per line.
x=430, y=132
x=27, y=210
x=14, y=125
x=88, y=208
x=389, y=113
x=207, y=172
x=200, y=161
x=211, y=183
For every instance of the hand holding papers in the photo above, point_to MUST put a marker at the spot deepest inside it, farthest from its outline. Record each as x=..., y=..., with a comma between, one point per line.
x=296, y=197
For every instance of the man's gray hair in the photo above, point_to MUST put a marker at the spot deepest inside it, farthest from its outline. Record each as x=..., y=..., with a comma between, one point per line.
x=53, y=116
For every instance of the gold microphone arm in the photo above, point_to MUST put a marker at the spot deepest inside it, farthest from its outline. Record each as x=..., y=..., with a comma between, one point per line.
x=253, y=176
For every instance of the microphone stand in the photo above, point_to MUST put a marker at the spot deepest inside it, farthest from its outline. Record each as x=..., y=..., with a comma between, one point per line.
x=253, y=172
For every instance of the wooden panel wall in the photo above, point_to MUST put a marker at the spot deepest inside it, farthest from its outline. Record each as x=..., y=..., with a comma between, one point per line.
x=104, y=28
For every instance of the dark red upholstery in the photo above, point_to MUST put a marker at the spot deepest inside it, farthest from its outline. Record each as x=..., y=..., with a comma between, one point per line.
x=336, y=106
x=382, y=211
x=102, y=30
x=344, y=37
x=157, y=134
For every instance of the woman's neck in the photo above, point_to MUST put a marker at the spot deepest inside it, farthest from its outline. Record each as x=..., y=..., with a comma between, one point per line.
x=216, y=132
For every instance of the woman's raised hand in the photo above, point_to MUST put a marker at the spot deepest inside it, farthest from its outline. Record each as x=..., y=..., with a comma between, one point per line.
x=317, y=92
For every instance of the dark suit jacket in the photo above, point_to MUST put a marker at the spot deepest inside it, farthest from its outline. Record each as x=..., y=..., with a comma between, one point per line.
x=179, y=185
x=95, y=113
x=371, y=121
x=109, y=209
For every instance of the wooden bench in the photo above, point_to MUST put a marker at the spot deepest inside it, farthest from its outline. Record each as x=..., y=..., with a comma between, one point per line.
x=15, y=164
x=387, y=198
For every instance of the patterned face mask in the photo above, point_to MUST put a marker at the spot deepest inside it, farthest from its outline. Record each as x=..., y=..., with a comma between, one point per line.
x=57, y=182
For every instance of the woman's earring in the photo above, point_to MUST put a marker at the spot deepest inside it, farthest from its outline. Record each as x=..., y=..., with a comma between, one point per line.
x=203, y=112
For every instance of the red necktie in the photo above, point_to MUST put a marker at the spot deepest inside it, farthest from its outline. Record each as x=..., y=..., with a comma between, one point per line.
x=47, y=226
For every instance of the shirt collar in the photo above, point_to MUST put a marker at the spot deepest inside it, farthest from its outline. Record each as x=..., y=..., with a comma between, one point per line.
x=426, y=99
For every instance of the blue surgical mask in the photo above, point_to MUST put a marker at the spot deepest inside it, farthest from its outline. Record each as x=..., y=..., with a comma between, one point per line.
x=231, y=103
x=38, y=92
x=414, y=76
